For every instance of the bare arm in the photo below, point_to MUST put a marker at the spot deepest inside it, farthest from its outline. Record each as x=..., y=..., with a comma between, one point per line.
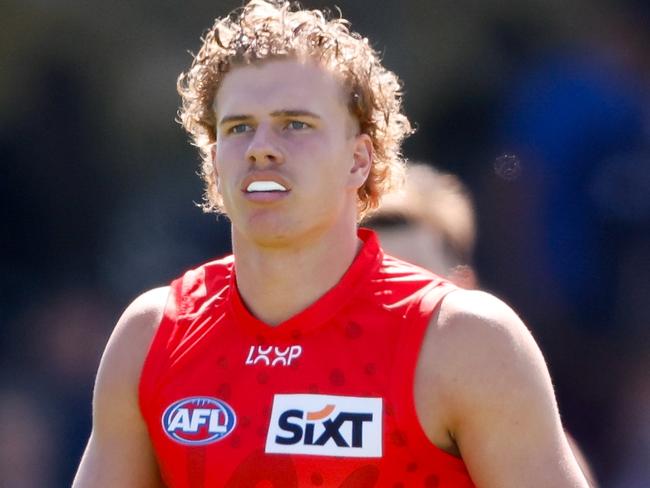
x=498, y=396
x=119, y=452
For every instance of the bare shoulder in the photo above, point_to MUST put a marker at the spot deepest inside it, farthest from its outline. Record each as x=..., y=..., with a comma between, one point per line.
x=145, y=311
x=480, y=340
x=119, y=452
x=139, y=322
x=476, y=352
x=490, y=383
x=475, y=312
x=129, y=343
x=479, y=325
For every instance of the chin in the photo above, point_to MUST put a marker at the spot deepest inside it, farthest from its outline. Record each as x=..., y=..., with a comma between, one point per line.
x=270, y=237
x=269, y=230
x=279, y=231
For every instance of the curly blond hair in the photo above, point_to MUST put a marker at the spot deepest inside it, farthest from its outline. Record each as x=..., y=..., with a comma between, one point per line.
x=278, y=29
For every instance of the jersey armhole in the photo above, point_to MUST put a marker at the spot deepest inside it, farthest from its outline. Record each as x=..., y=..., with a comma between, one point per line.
x=155, y=358
x=417, y=320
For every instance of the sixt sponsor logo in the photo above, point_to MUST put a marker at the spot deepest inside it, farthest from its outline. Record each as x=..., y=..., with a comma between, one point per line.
x=325, y=425
x=198, y=420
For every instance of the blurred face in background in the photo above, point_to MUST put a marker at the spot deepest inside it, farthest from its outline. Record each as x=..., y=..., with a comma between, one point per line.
x=430, y=222
x=420, y=244
x=416, y=243
x=287, y=151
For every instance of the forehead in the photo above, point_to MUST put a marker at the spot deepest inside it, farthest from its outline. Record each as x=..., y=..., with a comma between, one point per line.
x=280, y=84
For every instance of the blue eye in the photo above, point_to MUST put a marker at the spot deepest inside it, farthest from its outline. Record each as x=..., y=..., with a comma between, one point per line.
x=239, y=129
x=297, y=125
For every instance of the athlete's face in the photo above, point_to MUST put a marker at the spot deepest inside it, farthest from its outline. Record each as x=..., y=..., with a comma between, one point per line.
x=288, y=157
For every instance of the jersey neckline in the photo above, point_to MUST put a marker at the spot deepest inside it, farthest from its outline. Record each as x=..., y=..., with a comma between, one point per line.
x=323, y=309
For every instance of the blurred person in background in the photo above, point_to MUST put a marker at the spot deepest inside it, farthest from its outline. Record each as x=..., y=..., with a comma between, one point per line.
x=431, y=222
x=285, y=364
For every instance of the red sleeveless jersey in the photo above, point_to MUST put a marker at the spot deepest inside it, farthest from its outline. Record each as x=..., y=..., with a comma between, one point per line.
x=324, y=399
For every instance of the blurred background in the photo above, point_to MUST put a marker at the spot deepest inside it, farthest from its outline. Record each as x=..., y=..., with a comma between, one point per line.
x=541, y=107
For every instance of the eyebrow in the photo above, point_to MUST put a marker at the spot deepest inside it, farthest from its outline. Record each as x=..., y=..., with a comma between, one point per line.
x=234, y=118
x=294, y=113
x=277, y=113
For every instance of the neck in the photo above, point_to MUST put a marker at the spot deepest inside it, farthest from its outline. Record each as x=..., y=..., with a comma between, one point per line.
x=279, y=282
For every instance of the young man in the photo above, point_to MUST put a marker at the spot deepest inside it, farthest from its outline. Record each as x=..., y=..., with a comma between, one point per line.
x=309, y=358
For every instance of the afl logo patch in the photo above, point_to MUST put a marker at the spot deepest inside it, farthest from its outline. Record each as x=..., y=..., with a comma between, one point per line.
x=197, y=421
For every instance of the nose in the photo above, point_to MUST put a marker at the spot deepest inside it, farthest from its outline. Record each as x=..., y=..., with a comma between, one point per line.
x=263, y=150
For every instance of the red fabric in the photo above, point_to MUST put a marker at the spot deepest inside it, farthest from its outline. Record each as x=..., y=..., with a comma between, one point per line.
x=361, y=339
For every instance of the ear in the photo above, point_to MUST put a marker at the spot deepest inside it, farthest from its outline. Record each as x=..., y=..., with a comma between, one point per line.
x=361, y=160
